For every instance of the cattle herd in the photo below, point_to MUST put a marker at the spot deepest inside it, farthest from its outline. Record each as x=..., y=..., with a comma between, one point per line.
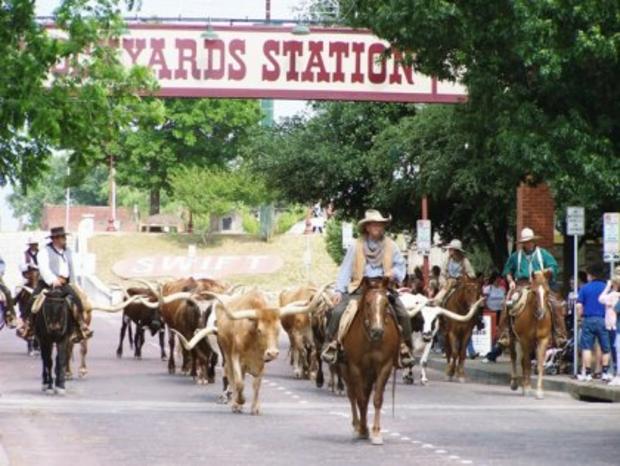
x=237, y=328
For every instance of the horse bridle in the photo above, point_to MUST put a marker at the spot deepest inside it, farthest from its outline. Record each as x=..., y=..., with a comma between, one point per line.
x=67, y=316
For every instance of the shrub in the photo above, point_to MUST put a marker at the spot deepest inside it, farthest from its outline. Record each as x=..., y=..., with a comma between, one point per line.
x=333, y=240
x=287, y=219
x=250, y=223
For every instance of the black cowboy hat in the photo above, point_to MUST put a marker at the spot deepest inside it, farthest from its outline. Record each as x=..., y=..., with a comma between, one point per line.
x=597, y=270
x=58, y=231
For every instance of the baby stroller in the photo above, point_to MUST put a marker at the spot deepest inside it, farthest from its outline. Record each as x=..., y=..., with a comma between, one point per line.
x=559, y=360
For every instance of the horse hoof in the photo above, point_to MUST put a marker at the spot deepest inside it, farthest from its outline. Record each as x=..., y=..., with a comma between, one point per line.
x=82, y=373
x=407, y=379
x=540, y=395
x=450, y=378
x=461, y=379
x=255, y=411
x=424, y=381
x=527, y=392
x=514, y=386
x=236, y=408
x=222, y=400
x=171, y=370
x=69, y=375
x=60, y=391
x=376, y=439
x=119, y=355
x=164, y=358
x=363, y=435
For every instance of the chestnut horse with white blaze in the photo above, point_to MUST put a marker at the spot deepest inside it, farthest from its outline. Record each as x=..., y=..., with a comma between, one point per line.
x=530, y=328
x=371, y=352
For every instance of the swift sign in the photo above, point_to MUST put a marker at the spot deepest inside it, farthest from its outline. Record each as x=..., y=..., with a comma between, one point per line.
x=197, y=266
x=271, y=62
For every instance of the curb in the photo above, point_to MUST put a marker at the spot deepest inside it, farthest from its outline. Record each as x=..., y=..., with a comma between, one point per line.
x=584, y=391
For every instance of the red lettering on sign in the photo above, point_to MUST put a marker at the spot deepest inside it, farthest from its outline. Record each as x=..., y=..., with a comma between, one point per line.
x=340, y=50
x=186, y=53
x=375, y=56
x=396, y=77
x=271, y=48
x=158, y=58
x=294, y=48
x=315, y=61
x=358, y=48
x=212, y=47
x=237, y=48
x=134, y=48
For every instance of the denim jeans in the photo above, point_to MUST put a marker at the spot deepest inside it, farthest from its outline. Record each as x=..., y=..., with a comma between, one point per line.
x=471, y=351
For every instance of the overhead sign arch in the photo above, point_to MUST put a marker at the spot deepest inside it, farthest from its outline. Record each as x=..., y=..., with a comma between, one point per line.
x=271, y=62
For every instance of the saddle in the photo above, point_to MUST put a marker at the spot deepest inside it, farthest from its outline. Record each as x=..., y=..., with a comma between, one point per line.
x=349, y=314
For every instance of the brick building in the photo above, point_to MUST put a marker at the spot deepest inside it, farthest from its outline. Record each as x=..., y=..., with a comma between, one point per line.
x=54, y=215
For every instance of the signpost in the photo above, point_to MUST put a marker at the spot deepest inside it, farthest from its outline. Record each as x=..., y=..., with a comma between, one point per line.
x=347, y=235
x=424, y=237
x=611, y=238
x=575, y=226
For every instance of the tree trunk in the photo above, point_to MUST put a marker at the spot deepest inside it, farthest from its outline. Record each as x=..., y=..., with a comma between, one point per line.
x=154, y=201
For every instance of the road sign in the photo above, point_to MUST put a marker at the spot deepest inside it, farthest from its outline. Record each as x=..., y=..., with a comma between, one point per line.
x=423, y=237
x=575, y=221
x=347, y=235
x=611, y=237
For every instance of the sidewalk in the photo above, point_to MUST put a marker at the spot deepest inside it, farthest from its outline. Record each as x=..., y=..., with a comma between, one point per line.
x=499, y=374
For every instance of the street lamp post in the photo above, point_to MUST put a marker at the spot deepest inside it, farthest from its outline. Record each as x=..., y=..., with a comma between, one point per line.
x=426, y=263
x=112, y=197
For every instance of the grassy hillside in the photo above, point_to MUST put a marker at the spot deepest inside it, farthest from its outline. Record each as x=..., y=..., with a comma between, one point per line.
x=111, y=248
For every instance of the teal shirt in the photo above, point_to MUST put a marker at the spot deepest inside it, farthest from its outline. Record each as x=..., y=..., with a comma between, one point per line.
x=530, y=263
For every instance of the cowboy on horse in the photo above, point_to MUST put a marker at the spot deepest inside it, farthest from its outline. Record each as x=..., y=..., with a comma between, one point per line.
x=518, y=272
x=57, y=271
x=372, y=255
x=455, y=267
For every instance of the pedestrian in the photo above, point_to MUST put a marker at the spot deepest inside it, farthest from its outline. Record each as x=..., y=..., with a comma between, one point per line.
x=593, y=328
x=435, y=282
x=31, y=253
x=610, y=298
x=495, y=295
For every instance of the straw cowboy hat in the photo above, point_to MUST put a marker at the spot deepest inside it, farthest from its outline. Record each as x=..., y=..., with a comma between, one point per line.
x=527, y=234
x=455, y=244
x=373, y=216
x=32, y=240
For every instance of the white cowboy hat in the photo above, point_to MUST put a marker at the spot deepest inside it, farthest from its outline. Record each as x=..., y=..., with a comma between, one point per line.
x=527, y=234
x=373, y=216
x=32, y=240
x=455, y=244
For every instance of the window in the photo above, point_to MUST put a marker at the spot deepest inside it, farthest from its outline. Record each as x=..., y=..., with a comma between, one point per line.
x=227, y=223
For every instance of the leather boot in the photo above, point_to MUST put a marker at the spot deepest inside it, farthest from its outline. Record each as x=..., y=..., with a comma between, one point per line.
x=405, y=356
x=330, y=352
x=504, y=336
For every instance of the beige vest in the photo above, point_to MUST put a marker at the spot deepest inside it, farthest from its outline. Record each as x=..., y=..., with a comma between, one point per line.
x=359, y=263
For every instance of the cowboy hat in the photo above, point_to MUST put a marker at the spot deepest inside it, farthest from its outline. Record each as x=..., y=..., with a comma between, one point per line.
x=32, y=240
x=455, y=244
x=373, y=216
x=57, y=231
x=527, y=234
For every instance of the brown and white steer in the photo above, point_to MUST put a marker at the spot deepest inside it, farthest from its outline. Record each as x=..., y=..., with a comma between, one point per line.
x=247, y=334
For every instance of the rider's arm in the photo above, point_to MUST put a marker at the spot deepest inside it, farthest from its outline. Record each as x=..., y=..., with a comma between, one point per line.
x=346, y=269
x=44, y=268
x=468, y=268
x=550, y=263
x=399, y=267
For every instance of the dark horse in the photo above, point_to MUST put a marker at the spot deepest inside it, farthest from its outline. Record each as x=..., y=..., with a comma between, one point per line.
x=370, y=353
x=22, y=298
x=54, y=324
x=7, y=308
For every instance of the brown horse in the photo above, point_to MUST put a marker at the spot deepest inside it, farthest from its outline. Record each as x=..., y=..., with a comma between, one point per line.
x=458, y=332
x=530, y=328
x=370, y=353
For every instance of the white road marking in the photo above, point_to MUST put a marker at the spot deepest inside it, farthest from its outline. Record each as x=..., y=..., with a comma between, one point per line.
x=454, y=457
x=440, y=452
x=287, y=393
x=405, y=439
x=427, y=445
x=466, y=462
x=395, y=434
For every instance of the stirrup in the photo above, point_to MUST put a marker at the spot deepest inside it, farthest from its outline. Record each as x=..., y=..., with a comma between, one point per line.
x=405, y=357
x=330, y=353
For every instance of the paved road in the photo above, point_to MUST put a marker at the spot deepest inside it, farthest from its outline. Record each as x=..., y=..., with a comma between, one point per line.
x=130, y=412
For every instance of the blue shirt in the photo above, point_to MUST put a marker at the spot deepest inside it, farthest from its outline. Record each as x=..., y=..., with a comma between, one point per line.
x=588, y=298
x=399, y=269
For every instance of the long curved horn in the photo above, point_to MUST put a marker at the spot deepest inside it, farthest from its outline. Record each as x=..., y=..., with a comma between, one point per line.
x=117, y=307
x=233, y=315
x=303, y=308
x=182, y=295
x=233, y=288
x=459, y=317
x=190, y=345
x=157, y=292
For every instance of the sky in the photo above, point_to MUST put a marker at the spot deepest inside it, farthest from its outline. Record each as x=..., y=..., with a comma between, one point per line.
x=234, y=9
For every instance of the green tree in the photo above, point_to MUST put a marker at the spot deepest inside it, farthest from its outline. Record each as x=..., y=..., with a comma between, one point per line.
x=215, y=191
x=37, y=115
x=203, y=132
